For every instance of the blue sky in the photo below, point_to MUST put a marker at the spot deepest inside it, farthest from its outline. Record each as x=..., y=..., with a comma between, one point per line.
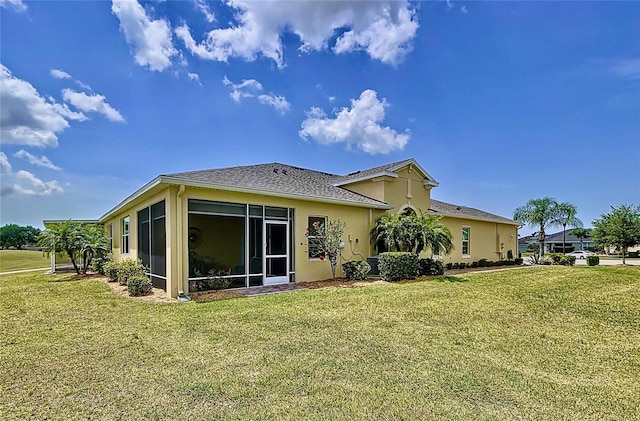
x=500, y=101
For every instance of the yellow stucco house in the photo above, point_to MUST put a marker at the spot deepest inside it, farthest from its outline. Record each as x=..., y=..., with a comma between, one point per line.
x=250, y=221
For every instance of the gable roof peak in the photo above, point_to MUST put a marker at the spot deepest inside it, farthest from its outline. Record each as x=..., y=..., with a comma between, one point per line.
x=390, y=169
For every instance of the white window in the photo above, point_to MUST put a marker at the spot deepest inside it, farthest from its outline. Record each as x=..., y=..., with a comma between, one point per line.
x=466, y=236
x=315, y=236
x=110, y=236
x=125, y=234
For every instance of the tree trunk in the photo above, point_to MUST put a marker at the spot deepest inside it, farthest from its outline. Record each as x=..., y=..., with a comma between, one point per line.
x=624, y=253
x=73, y=262
x=564, y=232
x=541, y=237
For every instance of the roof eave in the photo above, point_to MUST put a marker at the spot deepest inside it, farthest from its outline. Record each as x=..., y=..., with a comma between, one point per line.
x=142, y=190
x=476, y=218
x=366, y=177
x=207, y=185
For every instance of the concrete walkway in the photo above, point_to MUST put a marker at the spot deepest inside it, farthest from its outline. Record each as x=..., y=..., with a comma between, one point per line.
x=14, y=272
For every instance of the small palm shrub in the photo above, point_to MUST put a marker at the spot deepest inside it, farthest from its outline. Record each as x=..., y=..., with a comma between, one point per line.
x=395, y=266
x=593, y=260
x=545, y=260
x=138, y=285
x=356, y=270
x=128, y=268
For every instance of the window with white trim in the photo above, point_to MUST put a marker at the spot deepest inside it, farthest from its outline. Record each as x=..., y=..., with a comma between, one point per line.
x=315, y=236
x=110, y=236
x=126, y=222
x=466, y=236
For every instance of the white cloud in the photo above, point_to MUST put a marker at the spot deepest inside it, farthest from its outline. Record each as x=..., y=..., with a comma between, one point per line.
x=331, y=98
x=358, y=126
x=151, y=40
x=626, y=68
x=16, y=5
x=91, y=103
x=41, y=161
x=5, y=166
x=24, y=182
x=278, y=102
x=27, y=118
x=63, y=110
x=29, y=184
x=250, y=88
x=449, y=5
x=194, y=77
x=464, y=10
x=383, y=30
x=204, y=8
x=60, y=74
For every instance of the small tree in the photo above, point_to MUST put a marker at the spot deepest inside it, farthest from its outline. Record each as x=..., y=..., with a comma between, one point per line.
x=619, y=228
x=581, y=234
x=327, y=240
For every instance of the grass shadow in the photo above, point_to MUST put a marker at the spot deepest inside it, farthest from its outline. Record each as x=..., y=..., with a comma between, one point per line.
x=451, y=279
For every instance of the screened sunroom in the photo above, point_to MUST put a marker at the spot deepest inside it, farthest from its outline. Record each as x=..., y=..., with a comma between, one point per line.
x=247, y=245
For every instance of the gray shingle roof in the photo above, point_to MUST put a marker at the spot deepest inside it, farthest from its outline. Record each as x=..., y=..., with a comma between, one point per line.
x=370, y=171
x=281, y=179
x=443, y=208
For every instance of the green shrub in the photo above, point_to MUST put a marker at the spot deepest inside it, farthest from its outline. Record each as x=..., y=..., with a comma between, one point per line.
x=430, y=267
x=110, y=270
x=483, y=263
x=518, y=261
x=356, y=270
x=568, y=260
x=633, y=254
x=474, y=264
x=395, y=266
x=593, y=260
x=128, y=268
x=545, y=260
x=449, y=266
x=97, y=264
x=138, y=285
x=555, y=257
x=216, y=280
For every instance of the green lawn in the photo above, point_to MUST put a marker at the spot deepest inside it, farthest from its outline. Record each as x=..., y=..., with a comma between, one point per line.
x=540, y=343
x=22, y=259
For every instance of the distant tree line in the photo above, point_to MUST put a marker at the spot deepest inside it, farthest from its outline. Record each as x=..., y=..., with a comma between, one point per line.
x=17, y=236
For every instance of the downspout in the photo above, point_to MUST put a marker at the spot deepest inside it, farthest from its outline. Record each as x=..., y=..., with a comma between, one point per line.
x=180, y=239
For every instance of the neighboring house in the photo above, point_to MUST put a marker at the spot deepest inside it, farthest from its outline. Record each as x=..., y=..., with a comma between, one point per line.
x=553, y=242
x=249, y=223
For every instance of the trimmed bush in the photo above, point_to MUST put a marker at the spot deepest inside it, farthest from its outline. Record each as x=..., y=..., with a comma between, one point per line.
x=449, y=266
x=518, y=261
x=396, y=266
x=138, y=285
x=568, y=260
x=128, y=268
x=356, y=270
x=593, y=260
x=430, y=267
x=483, y=263
x=110, y=269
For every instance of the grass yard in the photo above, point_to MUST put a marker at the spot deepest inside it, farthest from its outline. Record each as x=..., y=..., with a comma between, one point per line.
x=11, y=260
x=540, y=343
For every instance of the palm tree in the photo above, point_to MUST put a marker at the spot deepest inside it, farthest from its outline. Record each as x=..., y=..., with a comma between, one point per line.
x=65, y=236
x=95, y=244
x=539, y=213
x=412, y=233
x=566, y=215
x=435, y=236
